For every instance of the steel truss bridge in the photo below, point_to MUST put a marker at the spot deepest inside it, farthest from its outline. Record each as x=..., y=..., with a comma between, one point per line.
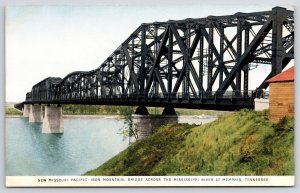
x=191, y=63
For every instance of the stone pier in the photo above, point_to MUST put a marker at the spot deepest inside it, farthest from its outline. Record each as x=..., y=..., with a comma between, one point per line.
x=36, y=114
x=145, y=124
x=53, y=120
x=26, y=110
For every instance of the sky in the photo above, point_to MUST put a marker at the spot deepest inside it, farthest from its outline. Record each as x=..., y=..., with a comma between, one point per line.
x=43, y=41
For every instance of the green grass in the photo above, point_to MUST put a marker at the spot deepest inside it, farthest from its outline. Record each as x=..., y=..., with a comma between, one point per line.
x=179, y=111
x=141, y=157
x=242, y=143
x=199, y=112
x=12, y=111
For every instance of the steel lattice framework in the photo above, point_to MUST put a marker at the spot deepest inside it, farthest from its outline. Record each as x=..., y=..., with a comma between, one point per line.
x=191, y=63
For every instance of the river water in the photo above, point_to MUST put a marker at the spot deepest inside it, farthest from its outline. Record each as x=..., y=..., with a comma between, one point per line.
x=84, y=145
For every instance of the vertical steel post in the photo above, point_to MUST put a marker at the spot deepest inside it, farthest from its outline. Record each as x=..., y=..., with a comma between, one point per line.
x=156, y=49
x=201, y=74
x=170, y=62
x=187, y=61
x=221, y=59
x=210, y=59
x=123, y=75
x=97, y=86
x=132, y=68
x=184, y=78
x=238, y=53
x=277, y=49
x=143, y=60
x=80, y=89
x=246, y=68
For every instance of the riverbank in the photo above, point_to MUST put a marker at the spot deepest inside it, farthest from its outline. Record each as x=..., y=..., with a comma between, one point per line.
x=242, y=143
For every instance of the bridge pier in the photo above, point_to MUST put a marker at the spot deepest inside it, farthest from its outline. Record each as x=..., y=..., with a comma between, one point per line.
x=53, y=120
x=261, y=104
x=36, y=114
x=145, y=124
x=26, y=110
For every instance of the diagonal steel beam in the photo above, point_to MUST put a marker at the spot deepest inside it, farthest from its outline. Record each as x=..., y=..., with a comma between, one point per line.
x=180, y=42
x=157, y=59
x=196, y=78
x=248, y=54
x=285, y=62
x=216, y=53
x=161, y=83
x=228, y=43
x=192, y=88
x=226, y=47
x=288, y=25
x=289, y=55
x=131, y=68
x=128, y=85
x=195, y=43
x=214, y=77
x=183, y=49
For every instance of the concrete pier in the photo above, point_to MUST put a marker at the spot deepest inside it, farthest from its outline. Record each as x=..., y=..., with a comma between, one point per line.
x=26, y=110
x=145, y=124
x=53, y=120
x=36, y=114
x=261, y=104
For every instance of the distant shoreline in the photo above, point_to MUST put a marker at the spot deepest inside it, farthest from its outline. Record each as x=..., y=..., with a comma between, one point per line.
x=78, y=116
x=94, y=116
x=13, y=116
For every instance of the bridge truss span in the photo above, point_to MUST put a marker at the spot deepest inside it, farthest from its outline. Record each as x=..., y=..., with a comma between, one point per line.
x=191, y=63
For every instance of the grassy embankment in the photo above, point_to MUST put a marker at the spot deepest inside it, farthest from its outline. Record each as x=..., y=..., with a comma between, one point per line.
x=243, y=143
x=12, y=111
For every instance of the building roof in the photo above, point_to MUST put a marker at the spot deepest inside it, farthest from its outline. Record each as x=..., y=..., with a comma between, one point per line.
x=285, y=76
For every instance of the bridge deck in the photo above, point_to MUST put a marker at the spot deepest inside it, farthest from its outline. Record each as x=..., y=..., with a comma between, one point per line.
x=230, y=102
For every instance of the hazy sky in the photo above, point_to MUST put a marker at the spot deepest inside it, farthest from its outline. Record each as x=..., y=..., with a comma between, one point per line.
x=43, y=41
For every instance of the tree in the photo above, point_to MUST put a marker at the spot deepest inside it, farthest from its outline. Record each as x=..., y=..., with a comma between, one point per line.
x=128, y=130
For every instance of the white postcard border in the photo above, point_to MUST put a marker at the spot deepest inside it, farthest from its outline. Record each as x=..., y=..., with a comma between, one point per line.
x=147, y=181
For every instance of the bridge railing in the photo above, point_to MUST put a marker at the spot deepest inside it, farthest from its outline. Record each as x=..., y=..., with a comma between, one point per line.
x=178, y=95
x=213, y=95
